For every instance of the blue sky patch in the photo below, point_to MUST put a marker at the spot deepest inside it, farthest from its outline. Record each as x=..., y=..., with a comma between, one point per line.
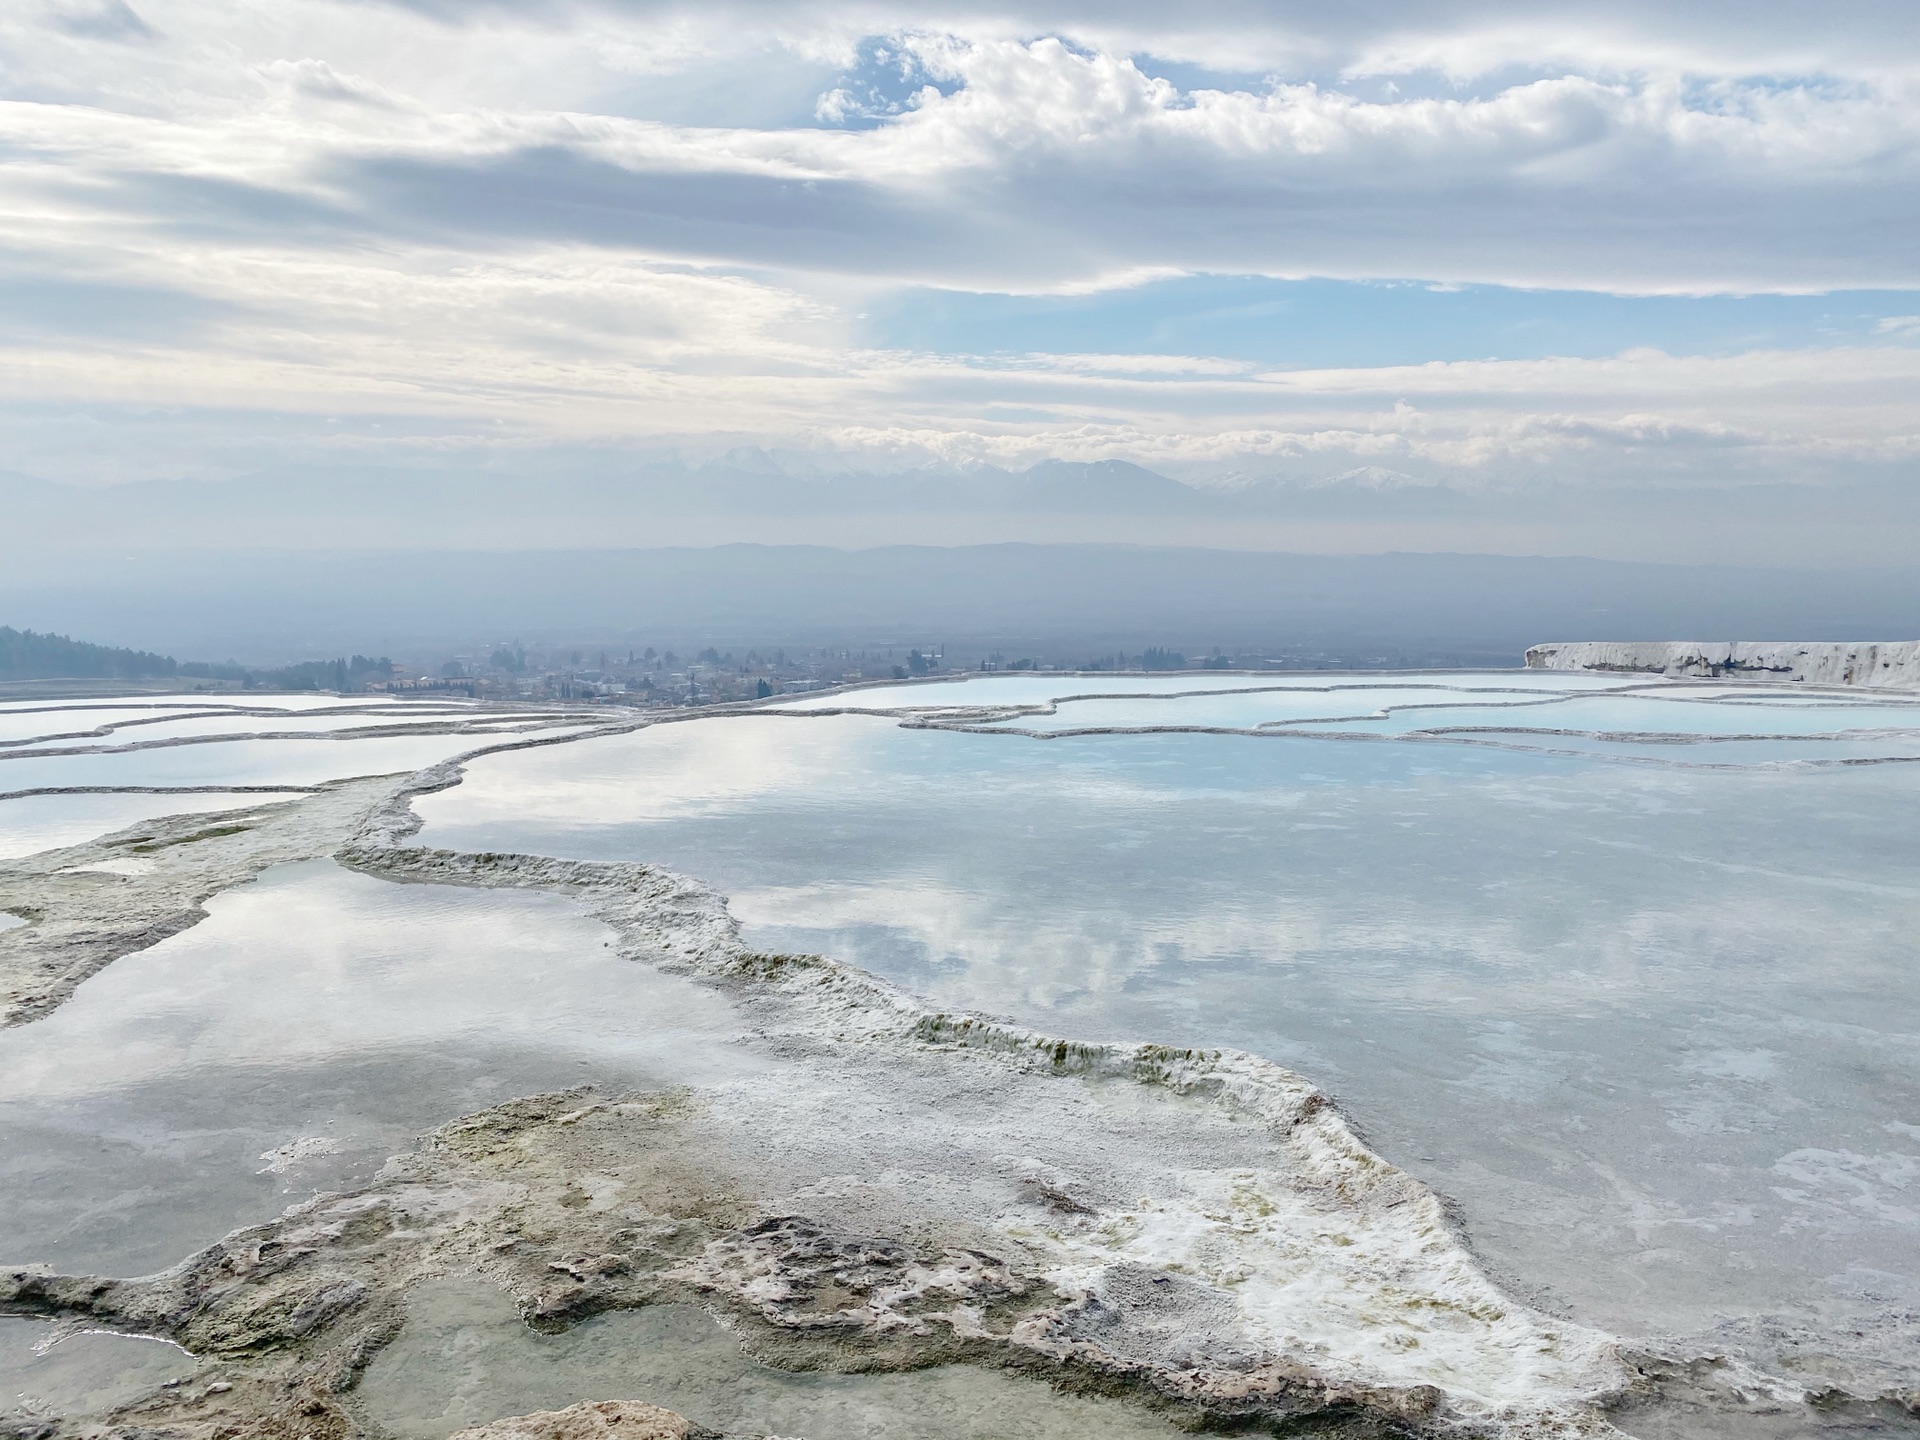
x=1314, y=323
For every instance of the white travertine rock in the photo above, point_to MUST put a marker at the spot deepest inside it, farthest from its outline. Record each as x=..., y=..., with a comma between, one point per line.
x=1202, y=1222
x=1880, y=663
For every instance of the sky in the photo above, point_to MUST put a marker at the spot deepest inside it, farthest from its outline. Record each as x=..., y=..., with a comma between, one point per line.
x=1498, y=247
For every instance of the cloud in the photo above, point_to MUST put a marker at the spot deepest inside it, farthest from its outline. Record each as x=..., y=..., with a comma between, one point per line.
x=320, y=81
x=1402, y=38
x=500, y=226
x=99, y=20
x=1039, y=164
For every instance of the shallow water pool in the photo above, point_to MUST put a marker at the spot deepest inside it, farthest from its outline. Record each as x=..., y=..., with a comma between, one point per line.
x=464, y=1358
x=1655, y=1027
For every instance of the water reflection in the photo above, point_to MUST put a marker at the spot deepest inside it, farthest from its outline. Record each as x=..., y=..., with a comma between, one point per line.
x=464, y=1358
x=45, y=1372
x=310, y=1027
x=1654, y=1028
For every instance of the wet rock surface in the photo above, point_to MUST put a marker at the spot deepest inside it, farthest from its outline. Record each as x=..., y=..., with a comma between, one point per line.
x=887, y=1187
x=87, y=905
x=880, y=1186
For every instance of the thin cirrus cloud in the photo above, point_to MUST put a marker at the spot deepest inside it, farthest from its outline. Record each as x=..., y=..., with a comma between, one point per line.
x=1494, y=247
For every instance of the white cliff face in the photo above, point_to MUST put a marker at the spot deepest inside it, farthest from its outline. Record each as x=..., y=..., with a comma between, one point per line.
x=1893, y=664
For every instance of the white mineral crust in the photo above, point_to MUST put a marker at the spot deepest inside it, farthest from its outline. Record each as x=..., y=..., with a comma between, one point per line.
x=1890, y=664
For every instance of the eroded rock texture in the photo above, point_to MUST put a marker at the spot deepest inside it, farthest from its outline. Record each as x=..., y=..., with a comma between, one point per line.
x=590, y=1420
x=875, y=1184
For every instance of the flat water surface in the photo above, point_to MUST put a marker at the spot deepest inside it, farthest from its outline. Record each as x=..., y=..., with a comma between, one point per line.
x=1656, y=1027
x=310, y=1027
x=44, y=1373
x=464, y=1358
x=32, y=823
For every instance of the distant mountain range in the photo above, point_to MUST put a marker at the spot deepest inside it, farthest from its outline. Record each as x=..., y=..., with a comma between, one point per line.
x=751, y=495
x=751, y=479
x=305, y=505
x=1074, y=600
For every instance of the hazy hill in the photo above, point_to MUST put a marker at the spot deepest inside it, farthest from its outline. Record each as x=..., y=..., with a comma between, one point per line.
x=749, y=495
x=270, y=606
x=25, y=655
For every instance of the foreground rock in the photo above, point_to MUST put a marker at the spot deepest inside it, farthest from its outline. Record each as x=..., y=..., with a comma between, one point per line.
x=590, y=1420
x=1891, y=664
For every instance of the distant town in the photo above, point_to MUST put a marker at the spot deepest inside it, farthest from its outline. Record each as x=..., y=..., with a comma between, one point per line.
x=640, y=676
x=648, y=677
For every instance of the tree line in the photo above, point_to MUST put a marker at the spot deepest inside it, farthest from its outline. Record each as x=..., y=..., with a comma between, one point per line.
x=28, y=655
